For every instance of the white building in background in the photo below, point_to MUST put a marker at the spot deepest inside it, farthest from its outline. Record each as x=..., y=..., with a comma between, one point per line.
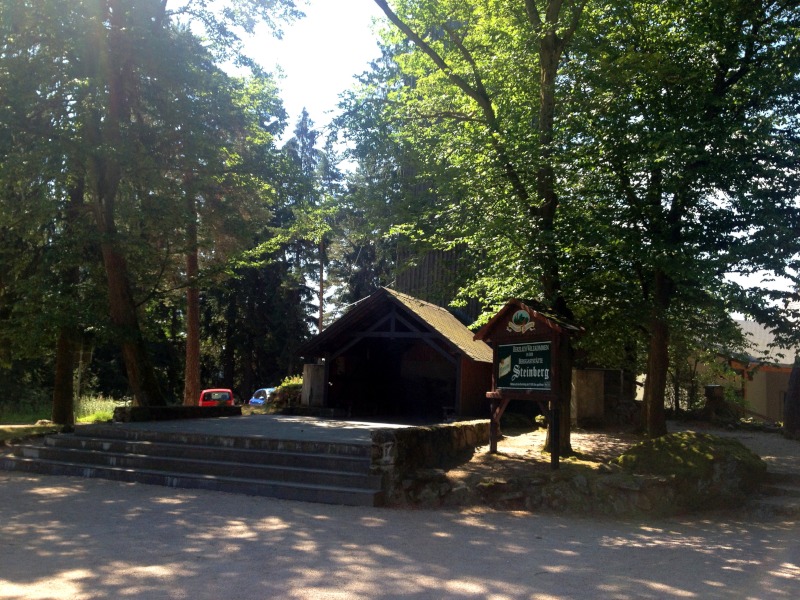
x=764, y=371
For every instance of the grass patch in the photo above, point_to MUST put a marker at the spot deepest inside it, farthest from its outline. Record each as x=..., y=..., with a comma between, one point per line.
x=97, y=409
x=88, y=409
x=25, y=413
x=264, y=409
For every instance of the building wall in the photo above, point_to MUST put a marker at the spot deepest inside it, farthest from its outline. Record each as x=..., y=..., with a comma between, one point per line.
x=755, y=392
x=765, y=390
x=777, y=386
x=588, y=396
x=476, y=380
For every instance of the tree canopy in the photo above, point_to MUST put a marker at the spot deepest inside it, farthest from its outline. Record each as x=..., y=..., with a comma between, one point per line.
x=618, y=161
x=129, y=161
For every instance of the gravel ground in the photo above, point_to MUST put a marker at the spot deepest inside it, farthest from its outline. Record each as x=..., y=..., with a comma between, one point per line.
x=81, y=539
x=87, y=539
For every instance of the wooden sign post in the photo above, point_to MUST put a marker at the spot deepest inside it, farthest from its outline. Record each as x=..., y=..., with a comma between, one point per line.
x=526, y=341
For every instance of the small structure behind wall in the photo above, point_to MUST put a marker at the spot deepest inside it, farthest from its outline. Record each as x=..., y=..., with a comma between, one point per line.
x=313, y=393
x=603, y=397
x=588, y=397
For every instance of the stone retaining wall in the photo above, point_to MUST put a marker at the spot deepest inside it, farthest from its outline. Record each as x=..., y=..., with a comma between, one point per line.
x=403, y=455
x=138, y=414
x=726, y=477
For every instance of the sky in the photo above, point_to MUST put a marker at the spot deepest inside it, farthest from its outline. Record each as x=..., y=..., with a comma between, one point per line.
x=319, y=55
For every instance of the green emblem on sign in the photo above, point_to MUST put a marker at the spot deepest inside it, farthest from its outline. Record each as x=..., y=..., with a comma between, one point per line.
x=521, y=322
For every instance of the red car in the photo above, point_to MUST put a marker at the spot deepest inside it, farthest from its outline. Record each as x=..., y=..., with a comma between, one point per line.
x=216, y=397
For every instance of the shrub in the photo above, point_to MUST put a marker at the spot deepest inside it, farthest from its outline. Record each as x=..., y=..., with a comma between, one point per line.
x=289, y=391
x=517, y=422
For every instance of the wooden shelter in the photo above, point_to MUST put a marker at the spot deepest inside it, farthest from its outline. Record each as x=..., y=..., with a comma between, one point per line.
x=396, y=356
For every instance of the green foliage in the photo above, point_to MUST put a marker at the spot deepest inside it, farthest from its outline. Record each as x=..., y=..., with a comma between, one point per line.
x=27, y=391
x=682, y=166
x=25, y=411
x=652, y=157
x=291, y=380
x=688, y=456
x=696, y=344
x=289, y=391
x=97, y=409
x=30, y=409
x=183, y=146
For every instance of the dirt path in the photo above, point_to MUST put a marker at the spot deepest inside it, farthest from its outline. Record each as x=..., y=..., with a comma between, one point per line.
x=520, y=453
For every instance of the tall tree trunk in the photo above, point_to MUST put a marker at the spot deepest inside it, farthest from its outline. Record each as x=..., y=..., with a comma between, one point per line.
x=191, y=381
x=655, y=422
x=103, y=134
x=321, y=321
x=122, y=307
x=564, y=358
x=63, y=391
x=551, y=48
x=63, y=384
x=553, y=28
x=121, y=304
x=250, y=346
x=228, y=357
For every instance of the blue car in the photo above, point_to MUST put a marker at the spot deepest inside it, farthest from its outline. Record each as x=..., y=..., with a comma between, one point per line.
x=261, y=396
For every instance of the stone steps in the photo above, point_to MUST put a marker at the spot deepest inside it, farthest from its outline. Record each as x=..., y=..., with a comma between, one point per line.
x=324, y=472
x=779, y=496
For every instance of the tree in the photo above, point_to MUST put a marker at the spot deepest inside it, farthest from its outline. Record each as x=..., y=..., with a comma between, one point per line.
x=473, y=71
x=626, y=178
x=309, y=197
x=109, y=117
x=687, y=154
x=47, y=294
x=387, y=192
x=229, y=197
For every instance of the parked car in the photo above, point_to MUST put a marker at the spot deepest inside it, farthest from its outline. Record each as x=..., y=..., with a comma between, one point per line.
x=261, y=396
x=216, y=397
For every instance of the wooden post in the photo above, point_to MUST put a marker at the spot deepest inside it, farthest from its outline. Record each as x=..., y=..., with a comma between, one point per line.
x=498, y=407
x=555, y=435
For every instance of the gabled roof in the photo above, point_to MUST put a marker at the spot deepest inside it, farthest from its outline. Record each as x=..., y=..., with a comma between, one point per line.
x=371, y=309
x=535, y=310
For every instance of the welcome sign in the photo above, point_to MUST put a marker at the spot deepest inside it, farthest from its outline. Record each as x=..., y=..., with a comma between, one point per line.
x=524, y=366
